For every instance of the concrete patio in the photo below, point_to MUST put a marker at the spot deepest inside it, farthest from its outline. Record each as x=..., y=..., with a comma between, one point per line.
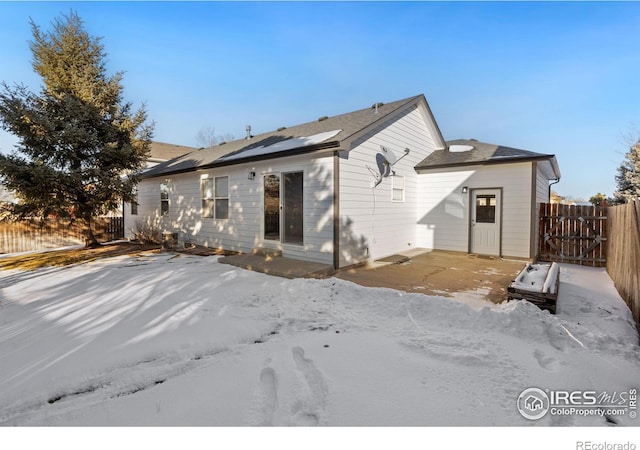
x=438, y=272
x=433, y=272
x=279, y=266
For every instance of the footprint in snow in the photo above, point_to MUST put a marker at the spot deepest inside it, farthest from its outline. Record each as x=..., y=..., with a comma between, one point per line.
x=307, y=410
x=267, y=397
x=544, y=361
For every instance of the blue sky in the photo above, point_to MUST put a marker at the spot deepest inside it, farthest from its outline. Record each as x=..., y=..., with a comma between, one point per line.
x=550, y=77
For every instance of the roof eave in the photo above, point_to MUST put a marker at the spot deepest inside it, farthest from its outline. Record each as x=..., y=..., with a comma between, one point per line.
x=489, y=162
x=276, y=155
x=555, y=166
x=441, y=144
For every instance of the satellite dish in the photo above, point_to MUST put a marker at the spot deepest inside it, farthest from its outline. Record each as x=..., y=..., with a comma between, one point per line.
x=388, y=155
x=385, y=160
x=384, y=168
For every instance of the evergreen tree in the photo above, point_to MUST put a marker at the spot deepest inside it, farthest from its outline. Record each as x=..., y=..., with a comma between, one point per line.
x=81, y=147
x=628, y=177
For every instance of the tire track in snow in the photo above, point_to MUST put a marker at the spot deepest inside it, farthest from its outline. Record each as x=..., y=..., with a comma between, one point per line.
x=117, y=382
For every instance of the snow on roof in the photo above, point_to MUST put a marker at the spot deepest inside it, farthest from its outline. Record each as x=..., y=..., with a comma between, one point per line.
x=287, y=144
x=460, y=148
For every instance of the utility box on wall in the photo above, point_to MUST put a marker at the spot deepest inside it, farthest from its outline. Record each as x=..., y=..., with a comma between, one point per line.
x=169, y=240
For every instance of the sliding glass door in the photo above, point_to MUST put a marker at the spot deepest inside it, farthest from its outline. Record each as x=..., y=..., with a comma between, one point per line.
x=284, y=208
x=272, y=207
x=293, y=211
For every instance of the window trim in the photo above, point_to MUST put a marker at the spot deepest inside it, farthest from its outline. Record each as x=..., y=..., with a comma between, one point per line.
x=204, y=198
x=215, y=198
x=134, y=201
x=394, y=189
x=164, y=211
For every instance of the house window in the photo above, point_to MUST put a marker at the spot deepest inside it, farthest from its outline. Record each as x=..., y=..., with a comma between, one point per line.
x=206, y=190
x=222, y=197
x=164, y=199
x=215, y=197
x=134, y=202
x=397, y=194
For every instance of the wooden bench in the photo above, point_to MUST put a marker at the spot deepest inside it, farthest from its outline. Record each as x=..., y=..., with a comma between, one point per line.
x=538, y=284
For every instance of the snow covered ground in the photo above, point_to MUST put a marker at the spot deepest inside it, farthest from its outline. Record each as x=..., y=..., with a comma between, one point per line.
x=162, y=339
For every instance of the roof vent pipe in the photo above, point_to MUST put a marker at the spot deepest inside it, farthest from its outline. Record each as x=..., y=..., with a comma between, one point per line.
x=248, y=132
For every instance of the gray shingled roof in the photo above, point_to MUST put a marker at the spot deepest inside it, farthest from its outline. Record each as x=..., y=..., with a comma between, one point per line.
x=481, y=153
x=161, y=151
x=349, y=124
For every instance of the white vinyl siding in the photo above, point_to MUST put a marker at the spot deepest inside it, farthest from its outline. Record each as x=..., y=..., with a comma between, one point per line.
x=372, y=224
x=542, y=187
x=242, y=231
x=444, y=222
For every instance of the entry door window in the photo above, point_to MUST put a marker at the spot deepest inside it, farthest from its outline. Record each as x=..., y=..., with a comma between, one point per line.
x=272, y=207
x=485, y=209
x=293, y=223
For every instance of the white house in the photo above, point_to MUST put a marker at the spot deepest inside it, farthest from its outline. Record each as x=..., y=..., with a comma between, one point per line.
x=350, y=188
x=159, y=152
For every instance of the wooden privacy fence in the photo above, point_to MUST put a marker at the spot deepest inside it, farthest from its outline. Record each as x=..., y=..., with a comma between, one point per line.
x=573, y=234
x=623, y=262
x=28, y=236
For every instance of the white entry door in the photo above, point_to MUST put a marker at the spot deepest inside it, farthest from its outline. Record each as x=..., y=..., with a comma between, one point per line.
x=485, y=221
